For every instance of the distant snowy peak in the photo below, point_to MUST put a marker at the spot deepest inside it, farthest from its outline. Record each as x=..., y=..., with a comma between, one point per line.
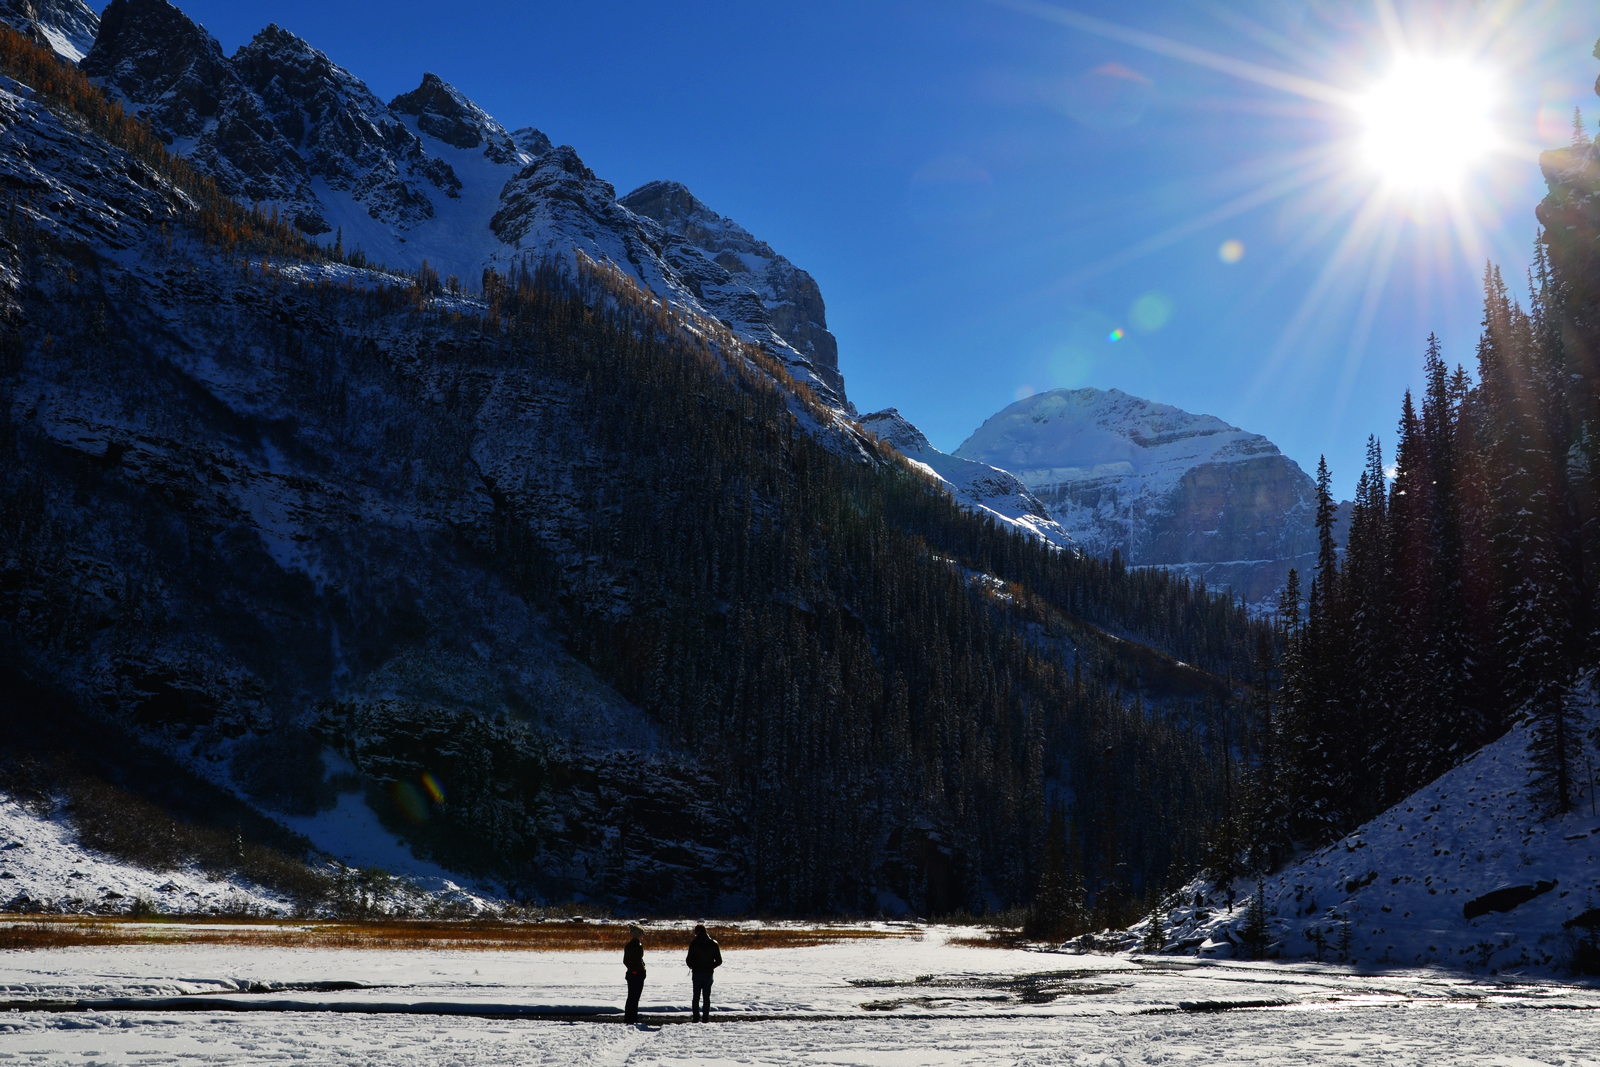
x=978, y=487
x=1159, y=485
x=67, y=26
x=1078, y=430
x=742, y=280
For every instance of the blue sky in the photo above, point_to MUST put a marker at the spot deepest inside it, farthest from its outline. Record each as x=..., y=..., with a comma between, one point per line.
x=985, y=191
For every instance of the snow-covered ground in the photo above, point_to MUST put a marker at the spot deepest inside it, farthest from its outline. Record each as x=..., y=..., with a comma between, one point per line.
x=43, y=867
x=913, y=999
x=1468, y=872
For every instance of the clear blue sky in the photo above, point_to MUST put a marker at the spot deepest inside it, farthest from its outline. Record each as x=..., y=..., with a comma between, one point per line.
x=985, y=191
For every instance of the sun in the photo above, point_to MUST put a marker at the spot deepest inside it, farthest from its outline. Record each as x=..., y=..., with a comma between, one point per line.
x=1428, y=123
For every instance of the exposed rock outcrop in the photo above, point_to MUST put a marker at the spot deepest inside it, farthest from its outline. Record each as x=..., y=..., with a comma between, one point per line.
x=66, y=26
x=741, y=279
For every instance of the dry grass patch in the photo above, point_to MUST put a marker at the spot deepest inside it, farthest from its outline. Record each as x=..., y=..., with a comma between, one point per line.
x=1000, y=938
x=411, y=934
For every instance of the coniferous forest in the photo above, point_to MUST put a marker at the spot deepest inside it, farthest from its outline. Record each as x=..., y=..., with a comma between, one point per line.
x=1464, y=598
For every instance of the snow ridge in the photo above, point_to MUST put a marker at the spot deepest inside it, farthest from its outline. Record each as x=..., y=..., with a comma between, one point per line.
x=978, y=487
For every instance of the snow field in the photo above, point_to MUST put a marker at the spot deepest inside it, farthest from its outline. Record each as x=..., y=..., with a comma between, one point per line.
x=42, y=864
x=920, y=999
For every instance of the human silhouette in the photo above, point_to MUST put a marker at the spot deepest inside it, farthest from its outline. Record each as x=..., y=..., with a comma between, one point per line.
x=704, y=957
x=633, y=960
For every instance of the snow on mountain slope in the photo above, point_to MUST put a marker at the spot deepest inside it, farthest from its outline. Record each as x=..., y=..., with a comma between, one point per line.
x=1466, y=872
x=1158, y=484
x=976, y=486
x=77, y=190
x=43, y=867
x=431, y=177
x=279, y=123
x=67, y=26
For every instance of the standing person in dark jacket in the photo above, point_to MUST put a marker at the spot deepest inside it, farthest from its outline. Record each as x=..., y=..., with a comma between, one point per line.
x=705, y=956
x=633, y=960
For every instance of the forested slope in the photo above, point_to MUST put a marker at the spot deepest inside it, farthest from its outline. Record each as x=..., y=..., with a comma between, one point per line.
x=590, y=594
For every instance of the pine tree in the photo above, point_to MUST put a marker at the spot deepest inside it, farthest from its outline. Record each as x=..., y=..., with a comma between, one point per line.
x=1054, y=914
x=1255, y=933
x=1325, y=769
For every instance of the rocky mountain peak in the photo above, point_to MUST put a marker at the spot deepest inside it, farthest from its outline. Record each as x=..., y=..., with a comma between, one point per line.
x=893, y=427
x=444, y=112
x=727, y=266
x=67, y=26
x=676, y=208
x=531, y=141
x=167, y=67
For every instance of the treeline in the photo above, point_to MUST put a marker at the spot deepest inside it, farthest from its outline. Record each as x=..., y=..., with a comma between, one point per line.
x=1465, y=596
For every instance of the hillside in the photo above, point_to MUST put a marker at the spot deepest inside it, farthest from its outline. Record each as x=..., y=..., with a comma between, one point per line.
x=428, y=177
x=1468, y=872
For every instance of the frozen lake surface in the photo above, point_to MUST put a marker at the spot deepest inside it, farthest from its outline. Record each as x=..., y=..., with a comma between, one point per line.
x=917, y=999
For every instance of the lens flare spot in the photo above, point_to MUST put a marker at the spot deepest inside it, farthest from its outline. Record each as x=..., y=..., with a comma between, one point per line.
x=434, y=789
x=410, y=802
x=1151, y=311
x=1115, y=335
x=1024, y=392
x=1231, y=250
x=1110, y=97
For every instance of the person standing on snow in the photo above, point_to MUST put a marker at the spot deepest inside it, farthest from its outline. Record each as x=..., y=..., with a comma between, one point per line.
x=633, y=960
x=704, y=957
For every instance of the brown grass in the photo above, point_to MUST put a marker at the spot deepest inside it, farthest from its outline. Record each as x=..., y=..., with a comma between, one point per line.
x=1000, y=938
x=67, y=932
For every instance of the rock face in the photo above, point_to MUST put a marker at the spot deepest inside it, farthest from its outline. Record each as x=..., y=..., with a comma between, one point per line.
x=431, y=177
x=1159, y=485
x=976, y=486
x=67, y=26
x=740, y=278
x=280, y=123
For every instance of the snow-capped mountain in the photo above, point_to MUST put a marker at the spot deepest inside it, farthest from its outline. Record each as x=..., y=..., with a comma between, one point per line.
x=978, y=487
x=430, y=177
x=1158, y=484
x=67, y=26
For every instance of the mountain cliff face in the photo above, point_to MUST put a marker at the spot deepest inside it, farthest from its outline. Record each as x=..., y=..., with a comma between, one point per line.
x=430, y=177
x=67, y=27
x=740, y=278
x=1158, y=485
x=978, y=487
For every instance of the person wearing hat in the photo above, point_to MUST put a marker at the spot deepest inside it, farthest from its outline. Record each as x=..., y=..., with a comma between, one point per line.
x=633, y=960
x=705, y=956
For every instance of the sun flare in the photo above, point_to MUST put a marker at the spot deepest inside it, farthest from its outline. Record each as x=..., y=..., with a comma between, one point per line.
x=1428, y=122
